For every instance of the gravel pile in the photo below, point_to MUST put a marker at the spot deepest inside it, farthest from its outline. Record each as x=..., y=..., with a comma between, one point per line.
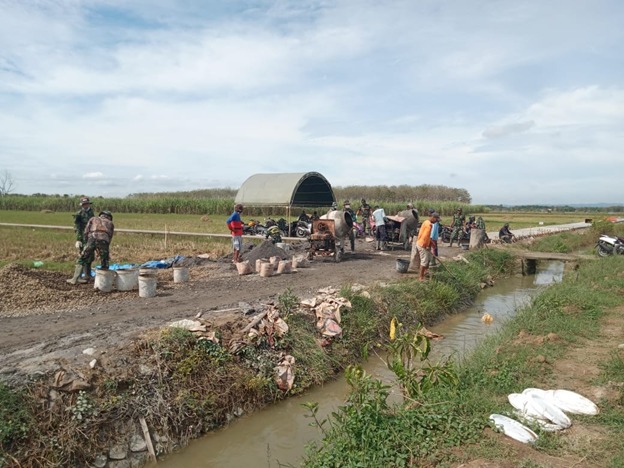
x=265, y=250
x=25, y=291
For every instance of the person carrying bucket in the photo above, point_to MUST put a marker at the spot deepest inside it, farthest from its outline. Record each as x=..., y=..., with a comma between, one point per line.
x=99, y=234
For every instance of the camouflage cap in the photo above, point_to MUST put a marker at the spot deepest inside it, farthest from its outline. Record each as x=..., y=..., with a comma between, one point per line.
x=85, y=201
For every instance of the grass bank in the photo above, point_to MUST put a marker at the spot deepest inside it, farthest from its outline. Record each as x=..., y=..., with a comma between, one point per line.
x=447, y=423
x=184, y=387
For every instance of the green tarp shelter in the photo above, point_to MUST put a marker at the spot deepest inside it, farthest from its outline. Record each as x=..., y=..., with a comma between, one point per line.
x=299, y=189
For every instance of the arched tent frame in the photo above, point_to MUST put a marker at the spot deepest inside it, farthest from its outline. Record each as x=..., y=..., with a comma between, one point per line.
x=297, y=189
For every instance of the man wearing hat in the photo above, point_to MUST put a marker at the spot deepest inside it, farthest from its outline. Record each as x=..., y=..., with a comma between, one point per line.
x=81, y=218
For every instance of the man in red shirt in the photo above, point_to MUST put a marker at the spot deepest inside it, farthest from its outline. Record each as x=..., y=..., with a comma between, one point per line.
x=235, y=225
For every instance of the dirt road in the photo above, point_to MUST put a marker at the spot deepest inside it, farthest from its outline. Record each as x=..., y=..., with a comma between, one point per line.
x=65, y=320
x=44, y=320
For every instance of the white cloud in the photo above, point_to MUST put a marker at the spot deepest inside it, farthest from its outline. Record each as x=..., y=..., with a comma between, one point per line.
x=512, y=101
x=93, y=175
x=503, y=130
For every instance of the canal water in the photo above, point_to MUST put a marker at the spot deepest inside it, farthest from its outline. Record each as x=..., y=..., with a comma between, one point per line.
x=277, y=435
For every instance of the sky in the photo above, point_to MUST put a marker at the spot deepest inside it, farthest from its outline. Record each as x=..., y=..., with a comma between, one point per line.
x=518, y=102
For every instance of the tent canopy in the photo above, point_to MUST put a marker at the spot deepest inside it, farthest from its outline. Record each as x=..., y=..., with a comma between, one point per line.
x=286, y=189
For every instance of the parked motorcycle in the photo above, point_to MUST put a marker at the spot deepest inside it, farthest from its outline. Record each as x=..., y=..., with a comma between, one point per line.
x=610, y=245
x=301, y=228
x=253, y=228
x=281, y=223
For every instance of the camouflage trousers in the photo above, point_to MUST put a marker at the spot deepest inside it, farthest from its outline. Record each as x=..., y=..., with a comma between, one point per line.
x=456, y=234
x=88, y=252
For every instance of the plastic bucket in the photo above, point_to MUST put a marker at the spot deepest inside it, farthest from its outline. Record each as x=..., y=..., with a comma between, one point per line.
x=147, y=285
x=402, y=265
x=104, y=280
x=180, y=274
x=127, y=280
x=148, y=271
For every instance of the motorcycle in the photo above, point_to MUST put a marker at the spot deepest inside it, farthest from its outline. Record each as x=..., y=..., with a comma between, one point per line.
x=610, y=245
x=253, y=228
x=281, y=223
x=301, y=228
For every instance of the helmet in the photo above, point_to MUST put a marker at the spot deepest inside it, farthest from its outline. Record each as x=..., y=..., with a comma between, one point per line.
x=410, y=205
x=106, y=214
x=85, y=201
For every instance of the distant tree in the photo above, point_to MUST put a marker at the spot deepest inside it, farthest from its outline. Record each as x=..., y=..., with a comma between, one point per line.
x=7, y=183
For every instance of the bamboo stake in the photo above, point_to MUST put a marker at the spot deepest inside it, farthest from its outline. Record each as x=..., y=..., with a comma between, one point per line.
x=148, y=439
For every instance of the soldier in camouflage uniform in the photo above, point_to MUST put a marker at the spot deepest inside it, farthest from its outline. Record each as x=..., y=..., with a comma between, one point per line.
x=99, y=232
x=81, y=218
x=347, y=209
x=365, y=211
x=459, y=220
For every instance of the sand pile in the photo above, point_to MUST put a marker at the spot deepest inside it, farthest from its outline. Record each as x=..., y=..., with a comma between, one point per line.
x=265, y=250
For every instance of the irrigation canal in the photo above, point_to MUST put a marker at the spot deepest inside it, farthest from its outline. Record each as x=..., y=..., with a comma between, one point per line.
x=278, y=434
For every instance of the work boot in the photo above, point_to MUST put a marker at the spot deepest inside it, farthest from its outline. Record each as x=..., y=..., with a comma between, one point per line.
x=87, y=274
x=76, y=278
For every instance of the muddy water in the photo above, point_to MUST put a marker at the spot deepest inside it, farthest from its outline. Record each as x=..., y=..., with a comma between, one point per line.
x=278, y=434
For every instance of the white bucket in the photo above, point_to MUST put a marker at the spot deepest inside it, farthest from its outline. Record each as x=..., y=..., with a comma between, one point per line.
x=147, y=285
x=104, y=280
x=180, y=274
x=148, y=271
x=127, y=280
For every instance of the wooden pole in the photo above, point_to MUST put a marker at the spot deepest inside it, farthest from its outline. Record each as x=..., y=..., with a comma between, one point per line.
x=148, y=439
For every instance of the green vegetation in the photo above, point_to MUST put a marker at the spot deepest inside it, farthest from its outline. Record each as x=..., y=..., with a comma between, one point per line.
x=448, y=405
x=15, y=420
